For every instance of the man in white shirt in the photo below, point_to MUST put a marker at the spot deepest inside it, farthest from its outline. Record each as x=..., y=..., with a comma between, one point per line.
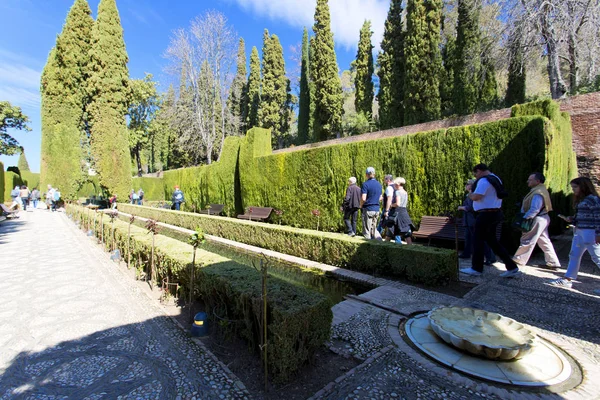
x=487, y=202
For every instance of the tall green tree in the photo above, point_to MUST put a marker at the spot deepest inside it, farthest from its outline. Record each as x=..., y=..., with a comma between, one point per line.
x=64, y=99
x=363, y=100
x=22, y=163
x=517, y=76
x=143, y=106
x=423, y=61
x=109, y=92
x=163, y=147
x=324, y=73
x=304, y=114
x=274, y=89
x=253, y=90
x=11, y=117
x=488, y=95
x=391, y=70
x=237, y=100
x=447, y=82
x=467, y=69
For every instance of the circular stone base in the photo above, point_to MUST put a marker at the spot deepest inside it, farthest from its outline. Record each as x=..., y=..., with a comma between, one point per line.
x=544, y=366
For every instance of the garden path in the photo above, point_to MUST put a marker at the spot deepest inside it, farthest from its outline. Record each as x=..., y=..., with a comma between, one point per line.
x=72, y=327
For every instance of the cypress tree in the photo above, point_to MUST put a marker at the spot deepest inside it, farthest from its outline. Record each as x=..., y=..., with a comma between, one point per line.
x=468, y=57
x=324, y=73
x=515, y=92
x=363, y=100
x=447, y=82
x=109, y=91
x=488, y=96
x=391, y=70
x=253, y=90
x=304, y=115
x=423, y=61
x=22, y=164
x=64, y=97
x=274, y=89
x=236, y=102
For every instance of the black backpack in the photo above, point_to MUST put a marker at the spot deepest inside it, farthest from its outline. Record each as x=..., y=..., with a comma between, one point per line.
x=496, y=183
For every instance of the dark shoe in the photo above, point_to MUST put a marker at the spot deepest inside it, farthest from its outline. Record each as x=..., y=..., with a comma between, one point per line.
x=549, y=267
x=464, y=257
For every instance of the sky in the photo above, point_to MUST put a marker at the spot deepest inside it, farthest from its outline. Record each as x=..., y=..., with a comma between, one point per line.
x=30, y=28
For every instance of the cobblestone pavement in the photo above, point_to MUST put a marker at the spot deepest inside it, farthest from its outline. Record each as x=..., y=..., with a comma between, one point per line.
x=72, y=327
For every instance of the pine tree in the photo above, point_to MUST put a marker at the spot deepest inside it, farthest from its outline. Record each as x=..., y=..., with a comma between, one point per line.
x=236, y=102
x=488, y=95
x=423, y=61
x=304, y=115
x=22, y=164
x=391, y=70
x=64, y=98
x=108, y=90
x=515, y=92
x=324, y=73
x=468, y=57
x=253, y=90
x=363, y=100
x=274, y=89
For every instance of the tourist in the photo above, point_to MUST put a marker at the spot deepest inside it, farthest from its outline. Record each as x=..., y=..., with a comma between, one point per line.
x=387, y=219
x=177, y=198
x=132, y=197
x=371, y=194
x=49, y=197
x=15, y=195
x=35, y=197
x=536, y=206
x=55, y=199
x=469, y=224
x=24, y=193
x=113, y=202
x=140, y=197
x=487, y=196
x=403, y=224
x=587, y=230
x=351, y=205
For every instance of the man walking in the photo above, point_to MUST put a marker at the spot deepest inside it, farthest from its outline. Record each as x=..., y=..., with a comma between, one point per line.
x=371, y=194
x=351, y=206
x=177, y=198
x=536, y=206
x=487, y=196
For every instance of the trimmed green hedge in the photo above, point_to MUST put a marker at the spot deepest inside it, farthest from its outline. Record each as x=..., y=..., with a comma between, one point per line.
x=154, y=189
x=31, y=179
x=299, y=319
x=420, y=264
x=1, y=182
x=10, y=181
x=217, y=183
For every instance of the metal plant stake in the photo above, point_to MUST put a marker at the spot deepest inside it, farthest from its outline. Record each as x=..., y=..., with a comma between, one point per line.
x=196, y=239
x=152, y=226
x=131, y=221
x=112, y=215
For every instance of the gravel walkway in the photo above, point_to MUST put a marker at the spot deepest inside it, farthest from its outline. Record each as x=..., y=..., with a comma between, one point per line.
x=72, y=326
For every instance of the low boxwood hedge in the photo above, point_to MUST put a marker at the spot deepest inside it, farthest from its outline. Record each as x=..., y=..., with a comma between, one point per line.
x=299, y=319
x=420, y=264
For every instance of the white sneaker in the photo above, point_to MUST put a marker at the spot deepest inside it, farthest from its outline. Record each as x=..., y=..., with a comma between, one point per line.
x=513, y=273
x=561, y=282
x=470, y=271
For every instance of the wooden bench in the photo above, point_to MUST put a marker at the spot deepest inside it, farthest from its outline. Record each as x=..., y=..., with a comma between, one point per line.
x=444, y=228
x=213, y=209
x=8, y=213
x=257, y=214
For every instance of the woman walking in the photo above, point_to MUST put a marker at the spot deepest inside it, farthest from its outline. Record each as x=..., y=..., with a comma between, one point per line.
x=587, y=230
x=24, y=193
x=404, y=226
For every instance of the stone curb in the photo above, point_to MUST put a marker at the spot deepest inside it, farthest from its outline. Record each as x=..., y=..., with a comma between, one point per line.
x=366, y=364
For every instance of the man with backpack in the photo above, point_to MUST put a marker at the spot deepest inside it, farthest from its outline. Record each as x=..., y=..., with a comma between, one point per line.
x=177, y=198
x=55, y=199
x=140, y=197
x=487, y=194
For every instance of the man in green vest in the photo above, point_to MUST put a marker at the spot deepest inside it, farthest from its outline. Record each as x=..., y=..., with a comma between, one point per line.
x=536, y=206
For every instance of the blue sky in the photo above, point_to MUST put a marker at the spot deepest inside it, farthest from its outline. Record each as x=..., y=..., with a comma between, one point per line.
x=30, y=28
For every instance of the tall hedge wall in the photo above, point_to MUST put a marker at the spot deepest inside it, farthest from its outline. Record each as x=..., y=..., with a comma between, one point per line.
x=1, y=182
x=420, y=264
x=216, y=183
x=10, y=181
x=31, y=179
x=154, y=189
x=299, y=319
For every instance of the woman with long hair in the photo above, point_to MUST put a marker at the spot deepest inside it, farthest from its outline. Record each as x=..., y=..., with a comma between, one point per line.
x=587, y=230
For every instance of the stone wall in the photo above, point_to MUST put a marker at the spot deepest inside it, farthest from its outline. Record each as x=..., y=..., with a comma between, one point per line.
x=585, y=117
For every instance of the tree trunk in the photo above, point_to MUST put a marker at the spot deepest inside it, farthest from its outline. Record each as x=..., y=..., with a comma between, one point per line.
x=573, y=65
x=138, y=160
x=558, y=88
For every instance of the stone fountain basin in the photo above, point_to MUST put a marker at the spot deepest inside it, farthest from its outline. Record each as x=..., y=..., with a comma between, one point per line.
x=482, y=333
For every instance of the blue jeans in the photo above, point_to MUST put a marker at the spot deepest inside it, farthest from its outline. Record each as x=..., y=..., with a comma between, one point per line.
x=177, y=206
x=584, y=240
x=35, y=203
x=139, y=202
x=490, y=257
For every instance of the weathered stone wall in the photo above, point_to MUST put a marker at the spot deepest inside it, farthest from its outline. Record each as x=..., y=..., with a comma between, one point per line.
x=585, y=117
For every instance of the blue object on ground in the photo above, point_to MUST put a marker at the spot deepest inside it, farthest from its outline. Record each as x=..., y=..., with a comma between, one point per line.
x=200, y=324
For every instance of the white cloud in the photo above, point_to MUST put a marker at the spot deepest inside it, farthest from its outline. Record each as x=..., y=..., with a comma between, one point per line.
x=347, y=16
x=19, y=82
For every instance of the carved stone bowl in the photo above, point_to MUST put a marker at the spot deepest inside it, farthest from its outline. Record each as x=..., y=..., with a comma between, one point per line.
x=482, y=333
